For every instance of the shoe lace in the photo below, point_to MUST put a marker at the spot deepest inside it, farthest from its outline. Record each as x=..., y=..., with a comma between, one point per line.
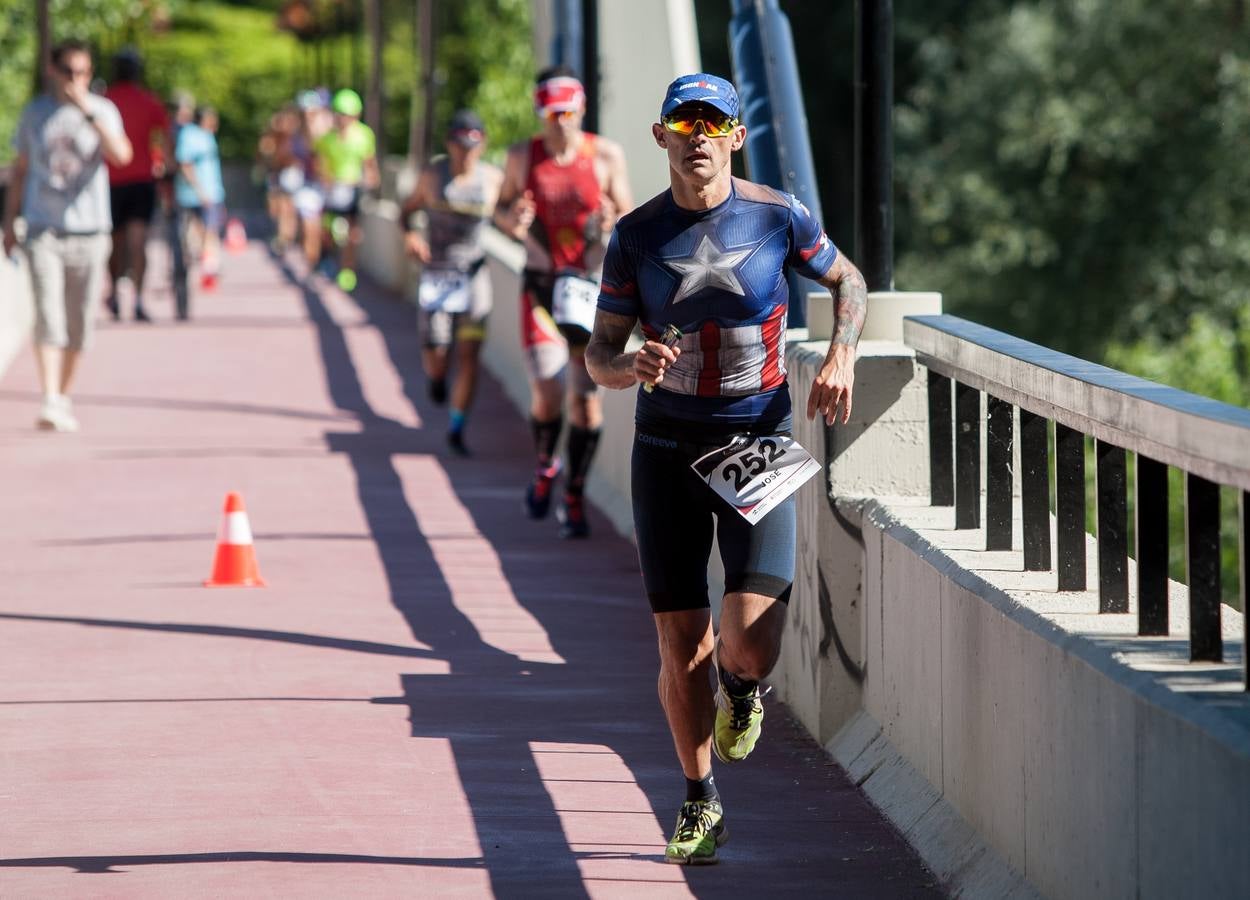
x=695, y=821
x=741, y=709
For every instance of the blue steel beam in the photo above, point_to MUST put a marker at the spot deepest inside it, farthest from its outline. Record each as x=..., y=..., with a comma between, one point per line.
x=778, y=150
x=566, y=42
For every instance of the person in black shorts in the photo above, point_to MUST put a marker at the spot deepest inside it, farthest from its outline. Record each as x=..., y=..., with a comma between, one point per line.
x=702, y=267
x=132, y=187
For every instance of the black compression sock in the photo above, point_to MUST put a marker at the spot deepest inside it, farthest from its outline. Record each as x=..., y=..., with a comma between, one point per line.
x=702, y=789
x=582, y=445
x=738, y=687
x=546, y=435
x=438, y=390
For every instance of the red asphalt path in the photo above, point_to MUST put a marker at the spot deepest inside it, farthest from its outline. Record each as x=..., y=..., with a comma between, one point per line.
x=433, y=697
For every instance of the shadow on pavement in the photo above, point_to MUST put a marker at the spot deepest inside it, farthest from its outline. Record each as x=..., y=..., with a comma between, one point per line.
x=113, y=865
x=494, y=708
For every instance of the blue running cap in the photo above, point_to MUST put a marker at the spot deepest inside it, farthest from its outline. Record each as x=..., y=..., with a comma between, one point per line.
x=701, y=87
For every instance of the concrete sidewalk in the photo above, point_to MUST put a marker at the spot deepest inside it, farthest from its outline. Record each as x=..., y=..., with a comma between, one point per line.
x=433, y=697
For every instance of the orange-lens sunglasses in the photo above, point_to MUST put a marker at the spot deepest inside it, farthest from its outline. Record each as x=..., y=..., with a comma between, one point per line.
x=714, y=124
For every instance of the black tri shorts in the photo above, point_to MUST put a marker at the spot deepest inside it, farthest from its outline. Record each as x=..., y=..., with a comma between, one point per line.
x=132, y=202
x=676, y=515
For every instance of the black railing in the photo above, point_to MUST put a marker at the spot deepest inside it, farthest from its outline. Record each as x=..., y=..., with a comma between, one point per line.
x=1207, y=440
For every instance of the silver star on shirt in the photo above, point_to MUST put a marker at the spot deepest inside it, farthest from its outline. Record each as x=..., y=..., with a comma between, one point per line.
x=708, y=267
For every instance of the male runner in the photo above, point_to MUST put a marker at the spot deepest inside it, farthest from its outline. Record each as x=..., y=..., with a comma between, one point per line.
x=562, y=192
x=710, y=256
x=347, y=162
x=132, y=187
x=458, y=193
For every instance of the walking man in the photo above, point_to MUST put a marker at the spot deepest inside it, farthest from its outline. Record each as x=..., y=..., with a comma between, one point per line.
x=709, y=257
x=133, y=186
x=60, y=185
x=458, y=193
x=562, y=193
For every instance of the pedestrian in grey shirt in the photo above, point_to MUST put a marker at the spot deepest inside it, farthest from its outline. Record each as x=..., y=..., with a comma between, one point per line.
x=60, y=186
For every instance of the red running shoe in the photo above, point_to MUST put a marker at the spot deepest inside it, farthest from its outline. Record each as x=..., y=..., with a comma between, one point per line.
x=572, y=517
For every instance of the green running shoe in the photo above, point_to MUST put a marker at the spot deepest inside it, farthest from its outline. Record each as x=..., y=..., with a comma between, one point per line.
x=347, y=280
x=700, y=830
x=739, y=721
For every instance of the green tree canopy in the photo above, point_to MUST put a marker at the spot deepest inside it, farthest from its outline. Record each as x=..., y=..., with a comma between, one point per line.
x=1074, y=171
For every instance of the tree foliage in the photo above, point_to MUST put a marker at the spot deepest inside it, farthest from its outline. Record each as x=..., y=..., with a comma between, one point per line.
x=1073, y=171
x=233, y=56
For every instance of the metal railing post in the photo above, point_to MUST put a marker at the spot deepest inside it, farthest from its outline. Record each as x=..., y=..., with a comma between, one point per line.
x=1035, y=491
x=1243, y=546
x=1202, y=568
x=1070, y=507
x=967, y=456
x=999, y=484
x=1151, y=511
x=1111, y=480
x=941, y=442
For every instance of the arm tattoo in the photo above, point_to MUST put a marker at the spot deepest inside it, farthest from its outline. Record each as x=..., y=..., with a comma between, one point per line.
x=605, y=357
x=850, y=301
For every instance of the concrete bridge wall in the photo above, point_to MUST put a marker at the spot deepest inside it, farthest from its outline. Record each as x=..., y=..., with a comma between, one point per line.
x=1016, y=749
x=17, y=311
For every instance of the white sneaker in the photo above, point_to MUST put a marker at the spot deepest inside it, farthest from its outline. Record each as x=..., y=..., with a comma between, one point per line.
x=57, y=414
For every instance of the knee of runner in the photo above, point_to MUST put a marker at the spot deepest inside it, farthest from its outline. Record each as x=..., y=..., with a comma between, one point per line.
x=755, y=662
x=684, y=657
x=44, y=338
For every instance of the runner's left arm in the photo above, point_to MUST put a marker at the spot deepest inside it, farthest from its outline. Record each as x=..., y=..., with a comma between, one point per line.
x=835, y=383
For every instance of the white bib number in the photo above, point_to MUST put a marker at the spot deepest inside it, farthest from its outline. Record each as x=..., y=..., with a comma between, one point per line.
x=291, y=179
x=340, y=196
x=754, y=474
x=442, y=291
x=573, y=301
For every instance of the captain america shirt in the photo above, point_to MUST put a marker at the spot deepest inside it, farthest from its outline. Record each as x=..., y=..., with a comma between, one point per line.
x=720, y=276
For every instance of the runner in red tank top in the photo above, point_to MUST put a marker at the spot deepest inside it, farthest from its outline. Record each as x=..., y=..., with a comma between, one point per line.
x=132, y=187
x=565, y=199
x=562, y=193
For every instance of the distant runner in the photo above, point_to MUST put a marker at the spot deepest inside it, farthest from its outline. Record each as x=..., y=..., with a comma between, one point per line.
x=346, y=163
x=562, y=192
x=458, y=193
x=132, y=187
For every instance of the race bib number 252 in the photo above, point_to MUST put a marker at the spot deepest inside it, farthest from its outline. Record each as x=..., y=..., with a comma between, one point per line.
x=754, y=474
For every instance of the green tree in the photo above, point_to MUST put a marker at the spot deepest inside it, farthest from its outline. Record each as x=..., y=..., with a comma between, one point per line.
x=1057, y=169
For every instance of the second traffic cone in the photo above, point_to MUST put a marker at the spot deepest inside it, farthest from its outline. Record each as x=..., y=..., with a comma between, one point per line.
x=236, y=236
x=234, y=564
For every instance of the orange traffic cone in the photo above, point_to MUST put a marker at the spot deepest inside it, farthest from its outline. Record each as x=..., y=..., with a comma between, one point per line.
x=235, y=562
x=236, y=236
